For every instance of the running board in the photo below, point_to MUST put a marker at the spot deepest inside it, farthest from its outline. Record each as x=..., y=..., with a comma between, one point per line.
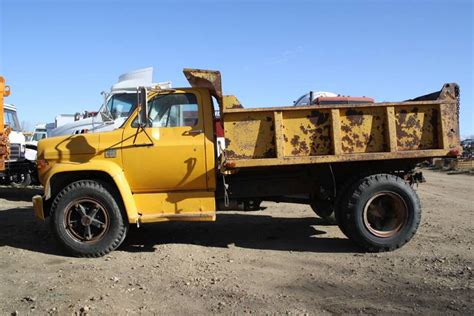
x=164, y=217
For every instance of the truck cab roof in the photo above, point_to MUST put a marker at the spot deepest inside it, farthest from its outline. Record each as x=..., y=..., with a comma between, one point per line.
x=137, y=78
x=10, y=107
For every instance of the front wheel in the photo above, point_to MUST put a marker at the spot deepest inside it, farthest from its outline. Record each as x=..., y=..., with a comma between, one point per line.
x=21, y=180
x=87, y=220
x=381, y=212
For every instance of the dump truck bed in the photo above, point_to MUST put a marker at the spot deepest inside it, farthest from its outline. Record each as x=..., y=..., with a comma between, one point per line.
x=423, y=127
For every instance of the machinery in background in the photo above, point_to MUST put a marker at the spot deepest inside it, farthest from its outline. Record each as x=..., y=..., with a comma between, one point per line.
x=327, y=98
x=4, y=92
x=20, y=166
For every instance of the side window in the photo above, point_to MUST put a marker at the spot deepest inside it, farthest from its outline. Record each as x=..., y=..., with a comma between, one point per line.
x=10, y=120
x=174, y=110
x=7, y=118
x=120, y=105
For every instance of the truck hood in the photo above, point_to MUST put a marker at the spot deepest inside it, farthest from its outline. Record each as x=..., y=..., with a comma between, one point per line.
x=16, y=138
x=71, y=148
x=88, y=125
x=71, y=128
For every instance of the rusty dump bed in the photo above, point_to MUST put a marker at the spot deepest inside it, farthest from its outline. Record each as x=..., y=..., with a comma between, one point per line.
x=426, y=126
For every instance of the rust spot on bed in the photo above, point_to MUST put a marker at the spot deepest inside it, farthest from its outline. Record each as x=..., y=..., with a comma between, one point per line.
x=355, y=117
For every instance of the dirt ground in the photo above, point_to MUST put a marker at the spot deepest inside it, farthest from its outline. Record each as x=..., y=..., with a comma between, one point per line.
x=280, y=260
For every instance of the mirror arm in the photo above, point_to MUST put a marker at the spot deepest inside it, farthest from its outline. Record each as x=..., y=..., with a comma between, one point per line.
x=142, y=108
x=142, y=127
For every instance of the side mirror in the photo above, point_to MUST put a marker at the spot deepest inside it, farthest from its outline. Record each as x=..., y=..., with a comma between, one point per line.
x=106, y=118
x=142, y=107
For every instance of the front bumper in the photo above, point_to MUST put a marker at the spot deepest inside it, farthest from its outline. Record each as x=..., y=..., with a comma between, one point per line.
x=38, y=207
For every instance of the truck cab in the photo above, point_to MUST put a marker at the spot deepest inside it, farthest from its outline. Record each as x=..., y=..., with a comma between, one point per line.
x=178, y=136
x=16, y=137
x=39, y=133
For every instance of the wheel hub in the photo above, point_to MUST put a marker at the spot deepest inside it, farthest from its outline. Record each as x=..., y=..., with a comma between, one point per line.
x=86, y=220
x=385, y=214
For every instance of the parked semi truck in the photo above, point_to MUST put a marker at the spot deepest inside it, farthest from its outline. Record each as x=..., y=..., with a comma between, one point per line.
x=161, y=165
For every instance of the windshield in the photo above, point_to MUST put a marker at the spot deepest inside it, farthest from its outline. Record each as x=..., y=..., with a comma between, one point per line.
x=304, y=100
x=121, y=105
x=38, y=136
x=11, y=120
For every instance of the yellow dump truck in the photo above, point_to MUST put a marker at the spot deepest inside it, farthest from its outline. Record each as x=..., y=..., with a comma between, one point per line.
x=4, y=92
x=164, y=164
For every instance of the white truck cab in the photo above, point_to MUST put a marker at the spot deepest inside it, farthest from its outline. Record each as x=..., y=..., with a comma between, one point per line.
x=20, y=167
x=39, y=133
x=16, y=138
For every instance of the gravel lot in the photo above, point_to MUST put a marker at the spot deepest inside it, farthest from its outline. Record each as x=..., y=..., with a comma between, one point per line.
x=280, y=260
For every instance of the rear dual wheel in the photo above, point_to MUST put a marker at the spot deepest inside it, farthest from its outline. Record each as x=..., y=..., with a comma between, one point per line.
x=379, y=212
x=86, y=219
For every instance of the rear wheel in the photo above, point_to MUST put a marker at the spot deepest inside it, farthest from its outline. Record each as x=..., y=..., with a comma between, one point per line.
x=87, y=220
x=341, y=202
x=380, y=212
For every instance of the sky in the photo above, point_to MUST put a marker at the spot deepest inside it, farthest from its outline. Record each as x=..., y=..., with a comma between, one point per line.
x=58, y=56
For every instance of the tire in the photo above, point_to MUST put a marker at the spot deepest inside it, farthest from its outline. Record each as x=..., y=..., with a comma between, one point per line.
x=86, y=219
x=340, y=204
x=23, y=182
x=342, y=198
x=380, y=212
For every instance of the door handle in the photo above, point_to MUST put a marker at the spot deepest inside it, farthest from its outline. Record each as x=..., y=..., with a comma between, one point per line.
x=194, y=132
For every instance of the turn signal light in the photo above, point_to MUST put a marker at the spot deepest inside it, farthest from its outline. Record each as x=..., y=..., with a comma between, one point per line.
x=456, y=151
x=41, y=163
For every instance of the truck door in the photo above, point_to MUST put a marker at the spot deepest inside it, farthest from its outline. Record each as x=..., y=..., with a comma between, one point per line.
x=171, y=155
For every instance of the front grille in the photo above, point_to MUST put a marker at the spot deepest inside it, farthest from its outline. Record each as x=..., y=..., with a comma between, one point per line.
x=15, y=151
